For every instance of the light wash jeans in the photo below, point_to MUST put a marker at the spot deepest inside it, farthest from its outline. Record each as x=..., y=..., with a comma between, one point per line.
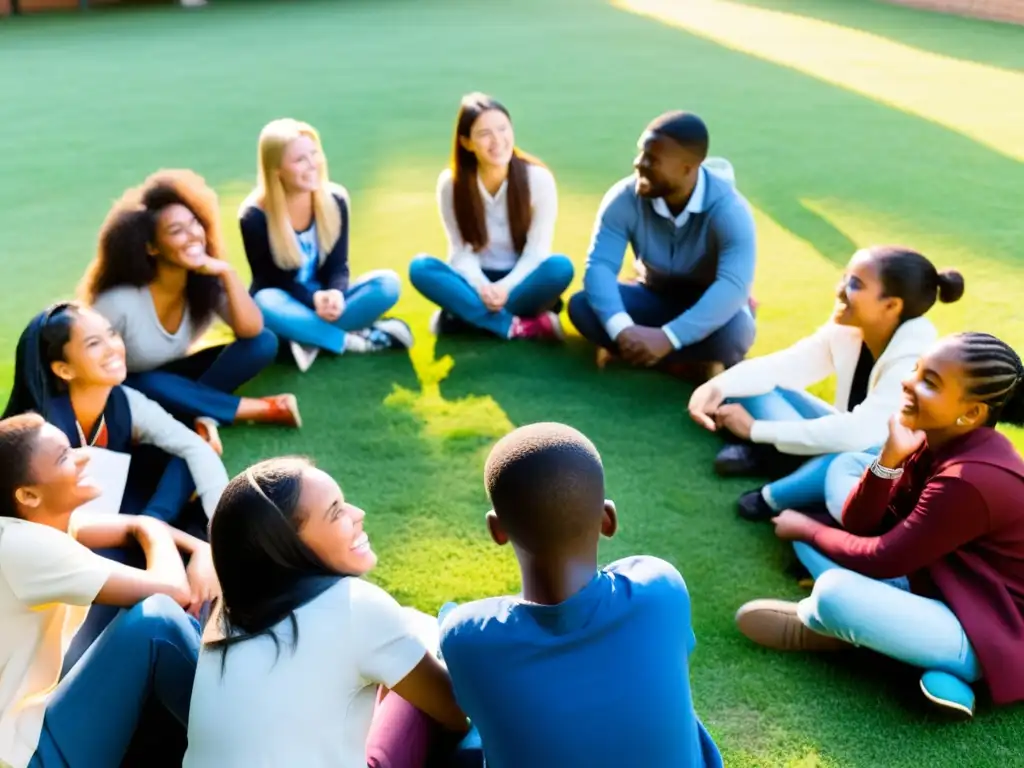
x=814, y=482
x=885, y=617
x=448, y=289
x=366, y=300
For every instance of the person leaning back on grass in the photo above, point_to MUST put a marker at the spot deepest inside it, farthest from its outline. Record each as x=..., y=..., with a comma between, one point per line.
x=693, y=236
x=939, y=517
x=499, y=206
x=295, y=228
x=49, y=578
x=588, y=666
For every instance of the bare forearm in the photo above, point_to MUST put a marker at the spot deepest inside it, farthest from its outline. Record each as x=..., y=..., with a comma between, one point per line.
x=246, y=318
x=162, y=558
x=103, y=532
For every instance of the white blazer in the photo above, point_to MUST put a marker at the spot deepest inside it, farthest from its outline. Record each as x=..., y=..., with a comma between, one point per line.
x=831, y=349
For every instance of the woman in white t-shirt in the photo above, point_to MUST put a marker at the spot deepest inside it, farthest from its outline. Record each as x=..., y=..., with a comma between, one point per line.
x=49, y=577
x=499, y=206
x=293, y=664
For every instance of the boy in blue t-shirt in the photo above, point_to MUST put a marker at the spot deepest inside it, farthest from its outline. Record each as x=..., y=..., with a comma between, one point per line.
x=587, y=666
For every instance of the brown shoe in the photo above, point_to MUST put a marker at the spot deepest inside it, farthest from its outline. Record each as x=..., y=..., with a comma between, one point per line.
x=775, y=624
x=282, y=410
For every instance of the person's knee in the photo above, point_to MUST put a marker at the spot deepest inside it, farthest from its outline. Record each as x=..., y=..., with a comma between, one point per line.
x=840, y=479
x=736, y=339
x=262, y=347
x=834, y=594
x=559, y=270
x=581, y=313
x=158, y=617
x=420, y=267
x=269, y=299
x=388, y=285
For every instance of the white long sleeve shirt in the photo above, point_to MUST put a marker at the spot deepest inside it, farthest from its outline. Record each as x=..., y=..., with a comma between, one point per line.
x=152, y=425
x=831, y=349
x=500, y=253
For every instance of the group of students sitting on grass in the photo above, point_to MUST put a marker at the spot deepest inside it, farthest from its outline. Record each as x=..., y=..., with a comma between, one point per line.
x=137, y=580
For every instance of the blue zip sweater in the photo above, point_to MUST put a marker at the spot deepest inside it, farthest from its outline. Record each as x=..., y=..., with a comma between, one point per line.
x=712, y=252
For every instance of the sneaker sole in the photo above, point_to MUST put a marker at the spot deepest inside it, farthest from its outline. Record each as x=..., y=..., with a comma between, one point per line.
x=952, y=708
x=774, y=624
x=303, y=360
x=293, y=409
x=397, y=330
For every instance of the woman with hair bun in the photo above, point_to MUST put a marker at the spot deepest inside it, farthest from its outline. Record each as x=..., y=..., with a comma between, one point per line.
x=876, y=334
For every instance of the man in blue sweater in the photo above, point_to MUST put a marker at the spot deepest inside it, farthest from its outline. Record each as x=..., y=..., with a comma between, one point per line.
x=694, y=241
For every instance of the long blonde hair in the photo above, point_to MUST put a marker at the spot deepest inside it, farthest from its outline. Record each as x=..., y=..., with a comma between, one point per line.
x=284, y=247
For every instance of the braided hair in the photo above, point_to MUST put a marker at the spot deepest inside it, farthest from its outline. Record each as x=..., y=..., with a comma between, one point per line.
x=995, y=376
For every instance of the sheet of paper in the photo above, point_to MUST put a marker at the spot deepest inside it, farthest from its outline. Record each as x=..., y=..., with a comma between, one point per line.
x=109, y=471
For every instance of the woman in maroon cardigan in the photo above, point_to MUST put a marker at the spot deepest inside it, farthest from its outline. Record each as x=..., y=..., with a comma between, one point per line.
x=930, y=568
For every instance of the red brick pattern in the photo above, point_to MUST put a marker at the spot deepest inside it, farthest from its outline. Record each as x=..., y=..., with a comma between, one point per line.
x=1011, y=11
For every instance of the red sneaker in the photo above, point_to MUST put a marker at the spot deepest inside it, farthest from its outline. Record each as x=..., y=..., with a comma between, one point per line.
x=544, y=326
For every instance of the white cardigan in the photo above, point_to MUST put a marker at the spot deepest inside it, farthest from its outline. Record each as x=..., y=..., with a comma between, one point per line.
x=831, y=349
x=500, y=253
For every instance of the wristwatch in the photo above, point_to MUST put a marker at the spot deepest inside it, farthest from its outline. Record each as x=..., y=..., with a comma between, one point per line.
x=884, y=472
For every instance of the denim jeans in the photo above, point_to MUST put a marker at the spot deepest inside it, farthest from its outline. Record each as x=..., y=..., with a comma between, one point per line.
x=728, y=344
x=152, y=648
x=814, y=482
x=366, y=300
x=538, y=291
x=203, y=383
x=885, y=617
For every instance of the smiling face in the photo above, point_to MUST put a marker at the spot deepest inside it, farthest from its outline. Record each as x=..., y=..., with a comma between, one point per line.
x=301, y=165
x=860, y=298
x=934, y=396
x=332, y=528
x=180, y=238
x=94, y=354
x=491, y=139
x=662, y=166
x=59, y=482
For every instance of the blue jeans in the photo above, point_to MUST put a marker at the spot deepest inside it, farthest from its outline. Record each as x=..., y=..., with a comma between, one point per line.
x=844, y=474
x=152, y=648
x=813, y=483
x=885, y=617
x=538, y=291
x=366, y=300
x=727, y=345
x=203, y=383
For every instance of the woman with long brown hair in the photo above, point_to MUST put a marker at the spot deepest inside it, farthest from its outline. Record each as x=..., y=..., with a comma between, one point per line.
x=161, y=280
x=499, y=207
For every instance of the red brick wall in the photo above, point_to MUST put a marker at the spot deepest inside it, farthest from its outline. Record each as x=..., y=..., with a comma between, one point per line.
x=32, y=6
x=996, y=10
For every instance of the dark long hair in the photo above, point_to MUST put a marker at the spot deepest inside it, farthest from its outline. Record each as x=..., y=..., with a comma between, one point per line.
x=469, y=207
x=266, y=572
x=907, y=275
x=41, y=344
x=123, y=257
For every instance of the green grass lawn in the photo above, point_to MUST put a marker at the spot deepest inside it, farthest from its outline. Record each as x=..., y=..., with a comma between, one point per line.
x=92, y=103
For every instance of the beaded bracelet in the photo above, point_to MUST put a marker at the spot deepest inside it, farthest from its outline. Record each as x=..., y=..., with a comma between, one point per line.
x=884, y=472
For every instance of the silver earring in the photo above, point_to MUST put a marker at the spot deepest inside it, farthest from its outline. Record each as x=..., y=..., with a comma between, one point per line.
x=962, y=421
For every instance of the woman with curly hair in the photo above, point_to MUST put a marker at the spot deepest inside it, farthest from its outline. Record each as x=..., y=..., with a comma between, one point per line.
x=160, y=278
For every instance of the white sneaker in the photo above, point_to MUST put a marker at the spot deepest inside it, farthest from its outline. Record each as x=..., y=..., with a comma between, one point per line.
x=192, y=3
x=398, y=330
x=304, y=356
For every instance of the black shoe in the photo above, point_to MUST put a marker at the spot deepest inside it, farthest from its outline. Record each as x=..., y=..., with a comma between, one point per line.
x=752, y=506
x=738, y=460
